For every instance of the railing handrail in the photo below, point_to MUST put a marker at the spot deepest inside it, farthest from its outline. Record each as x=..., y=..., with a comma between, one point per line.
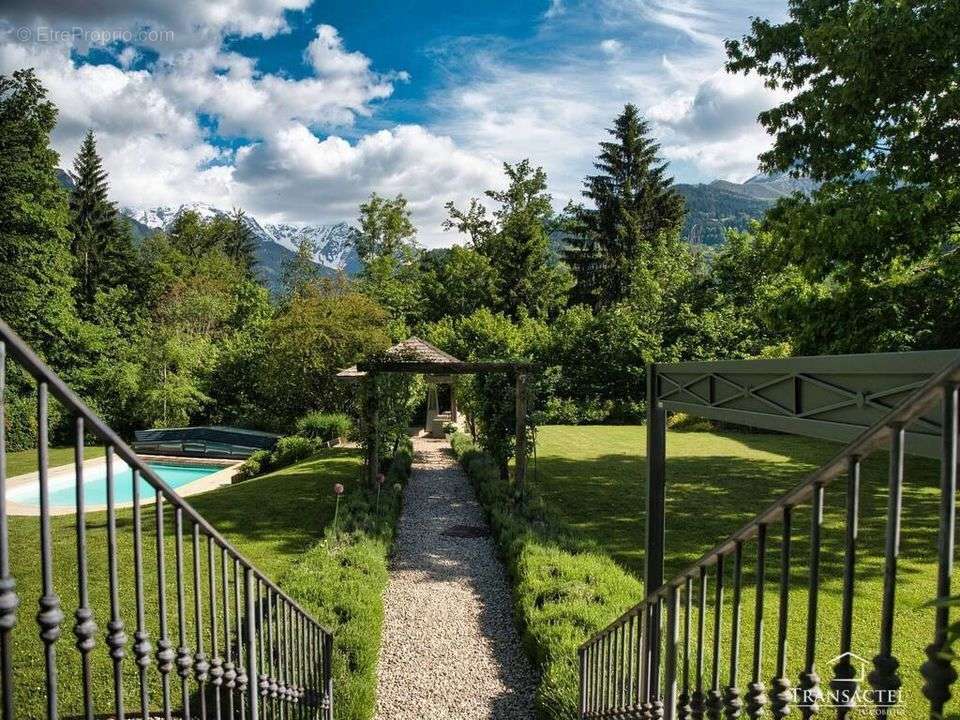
x=29, y=360
x=870, y=439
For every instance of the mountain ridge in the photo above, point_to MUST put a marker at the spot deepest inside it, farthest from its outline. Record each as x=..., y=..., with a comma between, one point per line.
x=715, y=207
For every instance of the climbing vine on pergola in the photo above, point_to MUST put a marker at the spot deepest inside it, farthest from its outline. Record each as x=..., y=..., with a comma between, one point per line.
x=416, y=356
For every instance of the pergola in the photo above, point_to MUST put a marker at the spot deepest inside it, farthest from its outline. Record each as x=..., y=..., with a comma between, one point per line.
x=418, y=356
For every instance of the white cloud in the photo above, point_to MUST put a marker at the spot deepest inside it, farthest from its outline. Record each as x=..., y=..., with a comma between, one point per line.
x=611, y=47
x=294, y=171
x=158, y=153
x=716, y=126
x=556, y=9
x=192, y=22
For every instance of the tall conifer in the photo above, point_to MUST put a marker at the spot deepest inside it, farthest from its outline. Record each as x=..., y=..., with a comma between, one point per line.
x=635, y=216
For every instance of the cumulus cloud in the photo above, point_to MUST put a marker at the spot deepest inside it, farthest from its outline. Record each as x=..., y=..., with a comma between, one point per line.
x=716, y=126
x=291, y=163
x=190, y=21
x=294, y=171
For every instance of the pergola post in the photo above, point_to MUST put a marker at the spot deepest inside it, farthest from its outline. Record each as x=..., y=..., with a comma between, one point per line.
x=520, y=466
x=371, y=402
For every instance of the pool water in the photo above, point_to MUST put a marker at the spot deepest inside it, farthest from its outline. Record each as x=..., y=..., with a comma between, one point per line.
x=63, y=489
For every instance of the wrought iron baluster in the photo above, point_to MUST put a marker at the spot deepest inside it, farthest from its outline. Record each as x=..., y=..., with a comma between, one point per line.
x=253, y=698
x=166, y=656
x=605, y=675
x=641, y=660
x=618, y=667
x=714, y=696
x=884, y=678
x=698, y=699
x=328, y=673
x=938, y=671
x=582, y=664
x=141, y=640
x=8, y=586
x=271, y=649
x=733, y=705
x=657, y=700
x=845, y=682
x=809, y=680
x=685, y=710
x=756, y=691
x=201, y=666
x=116, y=637
x=84, y=627
x=242, y=678
x=670, y=686
x=216, y=663
x=646, y=707
x=184, y=658
x=628, y=691
x=781, y=695
x=49, y=615
x=229, y=669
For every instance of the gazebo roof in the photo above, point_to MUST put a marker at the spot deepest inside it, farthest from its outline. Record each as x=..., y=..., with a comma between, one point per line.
x=412, y=350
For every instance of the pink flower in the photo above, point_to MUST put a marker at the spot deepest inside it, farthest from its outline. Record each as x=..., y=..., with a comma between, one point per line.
x=380, y=478
x=338, y=489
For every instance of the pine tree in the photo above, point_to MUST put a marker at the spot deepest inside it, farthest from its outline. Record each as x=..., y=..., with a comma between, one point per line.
x=516, y=244
x=102, y=245
x=635, y=216
x=238, y=241
x=35, y=262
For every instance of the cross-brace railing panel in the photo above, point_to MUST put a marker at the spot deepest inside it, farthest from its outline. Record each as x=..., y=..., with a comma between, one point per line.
x=829, y=397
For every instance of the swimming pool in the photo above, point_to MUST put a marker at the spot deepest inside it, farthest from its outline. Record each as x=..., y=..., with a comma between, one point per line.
x=62, y=486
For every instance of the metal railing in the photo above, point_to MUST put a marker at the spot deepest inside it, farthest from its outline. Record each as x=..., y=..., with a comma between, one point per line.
x=251, y=652
x=640, y=667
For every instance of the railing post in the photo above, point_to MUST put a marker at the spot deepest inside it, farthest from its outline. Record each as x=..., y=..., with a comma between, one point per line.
x=252, y=685
x=656, y=494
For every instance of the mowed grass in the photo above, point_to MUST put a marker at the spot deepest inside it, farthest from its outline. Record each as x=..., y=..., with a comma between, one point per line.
x=593, y=479
x=271, y=520
x=25, y=461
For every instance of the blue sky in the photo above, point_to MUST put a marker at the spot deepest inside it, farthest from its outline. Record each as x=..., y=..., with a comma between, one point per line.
x=297, y=111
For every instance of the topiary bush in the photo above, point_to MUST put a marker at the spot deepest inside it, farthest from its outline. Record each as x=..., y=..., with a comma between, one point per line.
x=564, y=589
x=254, y=465
x=291, y=449
x=324, y=426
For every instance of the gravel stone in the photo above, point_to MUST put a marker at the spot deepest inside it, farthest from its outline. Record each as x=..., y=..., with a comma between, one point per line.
x=450, y=647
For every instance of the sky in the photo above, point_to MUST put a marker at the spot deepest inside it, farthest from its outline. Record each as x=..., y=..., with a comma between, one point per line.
x=296, y=111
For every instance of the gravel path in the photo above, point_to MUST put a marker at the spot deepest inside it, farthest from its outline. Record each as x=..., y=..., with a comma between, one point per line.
x=450, y=648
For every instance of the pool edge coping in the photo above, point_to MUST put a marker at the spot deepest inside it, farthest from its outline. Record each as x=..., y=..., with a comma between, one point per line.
x=207, y=482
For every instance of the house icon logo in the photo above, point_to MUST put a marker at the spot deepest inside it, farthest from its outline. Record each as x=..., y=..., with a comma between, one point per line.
x=856, y=662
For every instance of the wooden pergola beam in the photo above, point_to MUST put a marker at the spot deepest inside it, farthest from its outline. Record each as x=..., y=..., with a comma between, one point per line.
x=441, y=368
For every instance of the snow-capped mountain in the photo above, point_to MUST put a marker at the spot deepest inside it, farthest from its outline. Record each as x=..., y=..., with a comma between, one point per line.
x=335, y=251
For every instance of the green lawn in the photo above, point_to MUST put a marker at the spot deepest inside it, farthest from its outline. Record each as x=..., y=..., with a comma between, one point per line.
x=25, y=461
x=272, y=520
x=593, y=479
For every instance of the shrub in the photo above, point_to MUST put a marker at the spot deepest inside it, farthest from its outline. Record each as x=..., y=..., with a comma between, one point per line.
x=324, y=426
x=564, y=589
x=257, y=463
x=291, y=449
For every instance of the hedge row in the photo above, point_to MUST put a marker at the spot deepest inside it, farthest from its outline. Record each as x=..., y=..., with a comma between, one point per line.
x=342, y=579
x=564, y=589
